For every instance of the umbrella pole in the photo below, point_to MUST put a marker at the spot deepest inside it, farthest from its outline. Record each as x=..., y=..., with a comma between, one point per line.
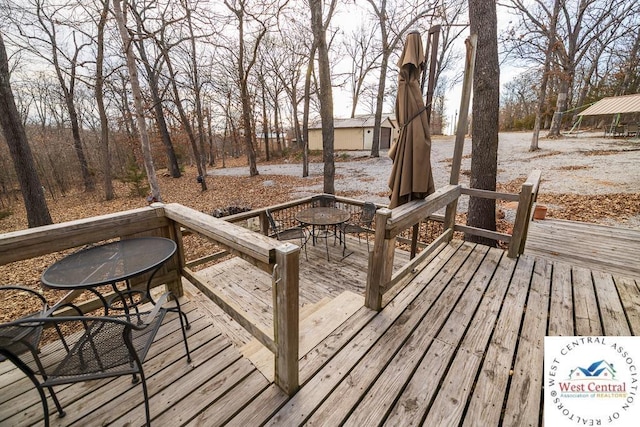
x=431, y=53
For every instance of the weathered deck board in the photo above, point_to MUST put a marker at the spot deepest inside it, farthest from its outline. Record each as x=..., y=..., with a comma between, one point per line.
x=434, y=364
x=561, y=305
x=320, y=279
x=459, y=345
x=486, y=402
x=300, y=406
x=614, y=321
x=592, y=246
x=523, y=402
x=585, y=303
x=628, y=291
x=415, y=330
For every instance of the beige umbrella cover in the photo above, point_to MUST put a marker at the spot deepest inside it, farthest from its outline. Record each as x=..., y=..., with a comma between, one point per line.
x=411, y=176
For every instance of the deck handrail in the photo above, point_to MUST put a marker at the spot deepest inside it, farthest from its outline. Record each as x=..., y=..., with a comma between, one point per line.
x=526, y=206
x=389, y=223
x=279, y=259
x=169, y=221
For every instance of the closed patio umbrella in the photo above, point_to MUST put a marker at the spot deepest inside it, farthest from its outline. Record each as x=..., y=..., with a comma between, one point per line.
x=411, y=176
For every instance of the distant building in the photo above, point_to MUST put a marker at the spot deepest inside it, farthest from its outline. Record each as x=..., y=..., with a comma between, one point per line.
x=285, y=140
x=354, y=134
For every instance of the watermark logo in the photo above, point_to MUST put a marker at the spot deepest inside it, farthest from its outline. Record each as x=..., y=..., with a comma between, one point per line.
x=591, y=381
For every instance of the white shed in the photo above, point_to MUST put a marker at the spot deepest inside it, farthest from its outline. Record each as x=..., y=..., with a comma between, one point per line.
x=354, y=134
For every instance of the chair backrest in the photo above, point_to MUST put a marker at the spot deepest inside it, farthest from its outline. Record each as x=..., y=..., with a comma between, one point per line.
x=88, y=347
x=368, y=213
x=323, y=200
x=12, y=297
x=272, y=222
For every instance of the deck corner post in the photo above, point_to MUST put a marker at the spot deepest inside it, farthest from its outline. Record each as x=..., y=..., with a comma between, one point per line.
x=286, y=317
x=264, y=223
x=380, y=261
x=526, y=201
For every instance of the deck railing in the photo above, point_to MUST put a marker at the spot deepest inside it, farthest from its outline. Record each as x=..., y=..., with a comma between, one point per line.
x=280, y=259
x=390, y=223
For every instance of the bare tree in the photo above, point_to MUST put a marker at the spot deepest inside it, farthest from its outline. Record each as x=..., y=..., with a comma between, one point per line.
x=164, y=47
x=197, y=92
x=246, y=57
x=394, y=21
x=326, y=93
x=16, y=137
x=486, y=105
x=102, y=111
x=137, y=99
x=42, y=27
x=153, y=72
x=363, y=59
x=542, y=94
x=579, y=26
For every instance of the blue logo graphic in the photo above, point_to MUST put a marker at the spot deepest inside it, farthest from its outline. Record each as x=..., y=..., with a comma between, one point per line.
x=600, y=369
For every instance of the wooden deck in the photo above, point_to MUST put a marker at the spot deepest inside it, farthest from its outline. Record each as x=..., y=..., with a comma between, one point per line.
x=587, y=245
x=461, y=344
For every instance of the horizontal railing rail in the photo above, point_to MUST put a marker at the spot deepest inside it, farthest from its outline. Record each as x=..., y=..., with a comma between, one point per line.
x=389, y=223
x=277, y=258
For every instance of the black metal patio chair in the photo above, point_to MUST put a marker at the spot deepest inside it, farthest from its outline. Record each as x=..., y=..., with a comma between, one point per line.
x=281, y=232
x=361, y=226
x=88, y=348
x=24, y=342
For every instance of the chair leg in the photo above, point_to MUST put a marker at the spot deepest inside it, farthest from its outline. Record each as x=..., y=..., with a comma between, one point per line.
x=303, y=244
x=326, y=244
x=32, y=377
x=61, y=412
x=184, y=325
x=147, y=413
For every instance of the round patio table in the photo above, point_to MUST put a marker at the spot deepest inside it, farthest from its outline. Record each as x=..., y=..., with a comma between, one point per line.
x=110, y=264
x=322, y=217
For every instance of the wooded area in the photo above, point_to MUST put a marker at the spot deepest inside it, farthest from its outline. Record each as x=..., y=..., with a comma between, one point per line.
x=578, y=52
x=234, y=78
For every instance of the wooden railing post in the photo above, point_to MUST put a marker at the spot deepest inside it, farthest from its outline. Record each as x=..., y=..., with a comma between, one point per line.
x=264, y=223
x=461, y=131
x=380, y=261
x=528, y=196
x=172, y=232
x=285, y=317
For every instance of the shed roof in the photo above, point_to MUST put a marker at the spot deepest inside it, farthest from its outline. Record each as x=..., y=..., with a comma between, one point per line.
x=614, y=105
x=356, y=122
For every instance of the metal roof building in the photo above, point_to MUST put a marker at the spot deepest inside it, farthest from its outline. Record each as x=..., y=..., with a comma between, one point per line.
x=614, y=105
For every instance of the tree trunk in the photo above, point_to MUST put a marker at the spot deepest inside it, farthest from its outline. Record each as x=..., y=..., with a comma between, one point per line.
x=305, y=113
x=183, y=117
x=212, y=151
x=158, y=112
x=198, y=99
x=375, y=144
x=542, y=94
x=561, y=107
x=23, y=162
x=326, y=95
x=102, y=112
x=486, y=104
x=137, y=100
x=68, y=93
x=265, y=123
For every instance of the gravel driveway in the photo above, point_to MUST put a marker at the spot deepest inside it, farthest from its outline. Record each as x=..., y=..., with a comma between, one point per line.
x=586, y=163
